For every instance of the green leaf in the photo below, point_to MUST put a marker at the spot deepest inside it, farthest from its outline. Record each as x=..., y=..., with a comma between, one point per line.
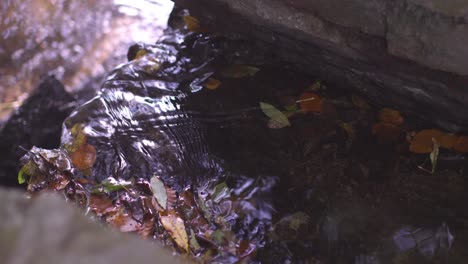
x=278, y=119
x=434, y=156
x=218, y=236
x=194, y=242
x=22, y=175
x=220, y=191
x=110, y=185
x=159, y=191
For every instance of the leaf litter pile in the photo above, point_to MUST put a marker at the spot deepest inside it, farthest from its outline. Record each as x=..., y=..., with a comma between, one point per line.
x=300, y=171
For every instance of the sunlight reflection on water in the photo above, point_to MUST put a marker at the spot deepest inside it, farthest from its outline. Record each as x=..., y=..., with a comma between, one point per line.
x=77, y=41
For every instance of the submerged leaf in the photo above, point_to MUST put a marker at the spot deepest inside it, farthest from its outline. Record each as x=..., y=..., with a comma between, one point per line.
x=100, y=205
x=447, y=141
x=84, y=157
x=461, y=145
x=159, y=191
x=212, y=84
x=274, y=124
x=359, y=102
x=422, y=141
x=390, y=116
x=434, y=155
x=386, y=133
x=194, y=242
x=22, y=175
x=220, y=191
x=311, y=102
x=240, y=71
x=193, y=24
x=123, y=221
x=275, y=114
x=175, y=226
x=110, y=185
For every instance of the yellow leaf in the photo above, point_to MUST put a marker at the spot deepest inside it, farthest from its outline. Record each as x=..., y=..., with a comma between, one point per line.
x=175, y=226
x=140, y=54
x=240, y=71
x=212, y=84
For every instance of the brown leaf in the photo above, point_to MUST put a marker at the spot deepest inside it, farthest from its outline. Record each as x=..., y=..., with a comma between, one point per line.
x=84, y=157
x=100, y=204
x=193, y=24
x=212, y=84
x=461, y=145
x=447, y=141
x=147, y=228
x=123, y=221
x=359, y=102
x=175, y=226
x=311, y=102
x=386, y=133
x=171, y=198
x=422, y=141
x=390, y=116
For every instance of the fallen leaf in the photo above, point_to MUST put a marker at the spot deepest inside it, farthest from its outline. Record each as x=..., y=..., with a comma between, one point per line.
x=220, y=191
x=78, y=138
x=194, y=242
x=434, y=156
x=359, y=102
x=316, y=86
x=146, y=230
x=22, y=175
x=123, y=221
x=461, y=145
x=140, y=54
x=390, y=116
x=422, y=141
x=447, y=141
x=311, y=102
x=218, y=236
x=159, y=191
x=386, y=133
x=110, y=185
x=274, y=124
x=212, y=84
x=100, y=204
x=84, y=157
x=175, y=226
x=275, y=114
x=239, y=71
x=193, y=24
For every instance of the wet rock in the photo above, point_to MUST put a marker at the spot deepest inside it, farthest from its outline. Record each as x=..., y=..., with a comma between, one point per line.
x=38, y=122
x=47, y=230
x=406, y=54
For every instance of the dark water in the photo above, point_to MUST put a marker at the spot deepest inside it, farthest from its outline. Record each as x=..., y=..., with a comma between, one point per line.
x=310, y=193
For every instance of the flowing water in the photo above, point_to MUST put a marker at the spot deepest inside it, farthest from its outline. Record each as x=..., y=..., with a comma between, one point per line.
x=320, y=191
x=77, y=41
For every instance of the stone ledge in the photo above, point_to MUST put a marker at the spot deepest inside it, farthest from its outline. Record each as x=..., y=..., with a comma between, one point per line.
x=424, y=74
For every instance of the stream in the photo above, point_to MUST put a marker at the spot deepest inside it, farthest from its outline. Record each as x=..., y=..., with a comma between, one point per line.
x=211, y=147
